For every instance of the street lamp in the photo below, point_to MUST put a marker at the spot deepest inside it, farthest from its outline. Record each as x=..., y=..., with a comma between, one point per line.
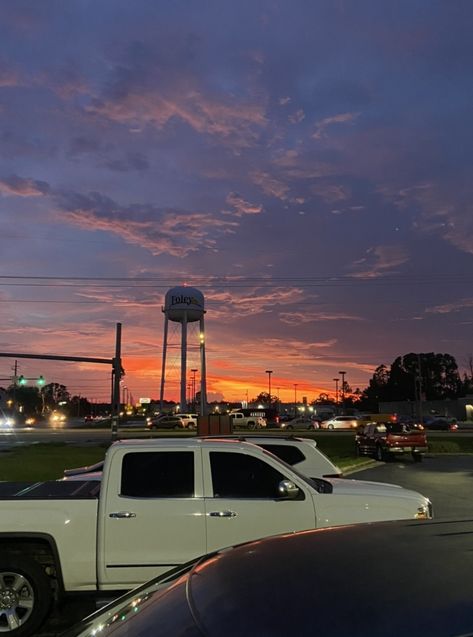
x=342, y=392
x=194, y=372
x=295, y=400
x=269, y=372
x=336, y=390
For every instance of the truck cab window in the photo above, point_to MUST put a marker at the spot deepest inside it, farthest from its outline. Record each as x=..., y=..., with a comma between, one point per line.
x=167, y=474
x=238, y=475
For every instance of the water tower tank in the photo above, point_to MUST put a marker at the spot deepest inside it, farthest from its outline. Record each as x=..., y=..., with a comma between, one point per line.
x=184, y=301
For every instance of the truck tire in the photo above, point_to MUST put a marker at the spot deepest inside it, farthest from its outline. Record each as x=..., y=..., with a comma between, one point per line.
x=251, y=425
x=417, y=457
x=25, y=596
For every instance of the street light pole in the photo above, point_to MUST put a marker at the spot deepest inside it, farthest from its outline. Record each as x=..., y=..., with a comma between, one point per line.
x=269, y=372
x=194, y=371
x=342, y=392
x=336, y=390
x=295, y=400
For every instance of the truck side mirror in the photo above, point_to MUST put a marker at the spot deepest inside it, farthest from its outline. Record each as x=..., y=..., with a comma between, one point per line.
x=288, y=490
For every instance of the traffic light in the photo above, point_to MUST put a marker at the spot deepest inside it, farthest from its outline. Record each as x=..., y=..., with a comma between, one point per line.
x=22, y=380
x=40, y=380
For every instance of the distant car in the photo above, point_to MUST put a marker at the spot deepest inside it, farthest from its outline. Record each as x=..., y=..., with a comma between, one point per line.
x=440, y=423
x=190, y=420
x=57, y=418
x=169, y=422
x=7, y=419
x=341, y=422
x=301, y=422
x=384, y=568
x=384, y=440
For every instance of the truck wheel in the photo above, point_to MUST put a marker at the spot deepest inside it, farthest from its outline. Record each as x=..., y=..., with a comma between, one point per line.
x=289, y=427
x=25, y=596
x=417, y=457
x=251, y=425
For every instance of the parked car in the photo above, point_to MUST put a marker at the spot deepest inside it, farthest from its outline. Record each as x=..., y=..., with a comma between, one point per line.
x=167, y=422
x=317, y=581
x=440, y=423
x=189, y=420
x=301, y=453
x=340, y=422
x=301, y=422
x=383, y=440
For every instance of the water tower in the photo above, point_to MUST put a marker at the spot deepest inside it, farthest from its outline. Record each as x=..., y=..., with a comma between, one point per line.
x=185, y=305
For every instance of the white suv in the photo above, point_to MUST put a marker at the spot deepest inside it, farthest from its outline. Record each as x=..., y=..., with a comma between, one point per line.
x=188, y=420
x=301, y=453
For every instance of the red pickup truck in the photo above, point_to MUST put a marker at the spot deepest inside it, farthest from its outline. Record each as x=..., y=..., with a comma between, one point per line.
x=384, y=440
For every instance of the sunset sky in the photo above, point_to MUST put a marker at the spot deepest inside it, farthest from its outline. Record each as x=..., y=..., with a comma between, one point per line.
x=307, y=165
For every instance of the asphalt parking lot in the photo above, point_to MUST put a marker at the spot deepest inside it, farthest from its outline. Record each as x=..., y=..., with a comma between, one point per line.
x=445, y=479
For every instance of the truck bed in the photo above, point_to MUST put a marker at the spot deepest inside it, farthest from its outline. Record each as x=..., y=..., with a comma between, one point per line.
x=53, y=489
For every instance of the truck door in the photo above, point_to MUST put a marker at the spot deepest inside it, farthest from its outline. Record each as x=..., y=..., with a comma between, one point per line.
x=154, y=520
x=243, y=503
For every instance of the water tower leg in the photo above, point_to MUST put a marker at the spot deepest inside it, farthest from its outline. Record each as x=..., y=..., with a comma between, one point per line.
x=163, y=368
x=203, y=374
x=183, y=400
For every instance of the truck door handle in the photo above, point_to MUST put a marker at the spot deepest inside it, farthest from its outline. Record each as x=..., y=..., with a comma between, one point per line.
x=222, y=514
x=122, y=514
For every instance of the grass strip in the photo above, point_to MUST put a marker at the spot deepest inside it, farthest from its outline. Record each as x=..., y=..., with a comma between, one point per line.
x=46, y=461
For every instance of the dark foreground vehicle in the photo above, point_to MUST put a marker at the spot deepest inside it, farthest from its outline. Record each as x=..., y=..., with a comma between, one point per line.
x=331, y=582
x=384, y=440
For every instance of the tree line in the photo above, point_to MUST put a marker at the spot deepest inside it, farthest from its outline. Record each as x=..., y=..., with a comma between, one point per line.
x=414, y=376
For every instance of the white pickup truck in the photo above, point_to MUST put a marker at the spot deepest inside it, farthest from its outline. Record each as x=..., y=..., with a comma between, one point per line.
x=247, y=420
x=161, y=503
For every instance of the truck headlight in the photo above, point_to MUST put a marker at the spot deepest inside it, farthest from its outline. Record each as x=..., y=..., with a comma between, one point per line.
x=424, y=512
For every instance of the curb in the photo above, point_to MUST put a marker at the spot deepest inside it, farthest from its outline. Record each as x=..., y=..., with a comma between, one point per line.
x=358, y=467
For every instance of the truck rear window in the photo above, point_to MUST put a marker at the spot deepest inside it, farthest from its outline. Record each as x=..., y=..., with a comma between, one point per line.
x=400, y=428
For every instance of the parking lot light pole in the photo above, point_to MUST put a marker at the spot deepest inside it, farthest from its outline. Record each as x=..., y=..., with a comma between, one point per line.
x=342, y=392
x=336, y=390
x=295, y=400
x=194, y=372
x=269, y=372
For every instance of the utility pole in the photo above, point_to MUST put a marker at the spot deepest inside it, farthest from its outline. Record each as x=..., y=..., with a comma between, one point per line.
x=295, y=400
x=420, y=389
